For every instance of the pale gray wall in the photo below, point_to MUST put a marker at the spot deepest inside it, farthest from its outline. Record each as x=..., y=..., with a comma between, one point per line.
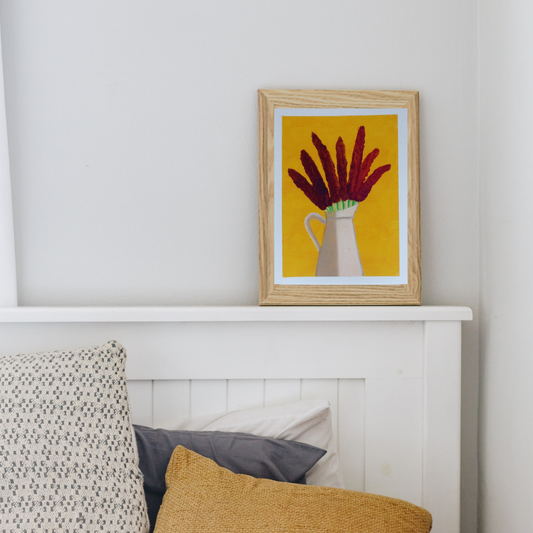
x=506, y=184
x=132, y=128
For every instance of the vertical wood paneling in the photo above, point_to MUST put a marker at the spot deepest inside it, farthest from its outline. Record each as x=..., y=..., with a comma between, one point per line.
x=140, y=396
x=351, y=435
x=328, y=389
x=442, y=432
x=393, y=438
x=208, y=396
x=279, y=391
x=171, y=402
x=245, y=394
x=364, y=414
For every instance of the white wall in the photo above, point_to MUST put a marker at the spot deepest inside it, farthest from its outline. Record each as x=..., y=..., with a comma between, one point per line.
x=132, y=128
x=506, y=402
x=8, y=275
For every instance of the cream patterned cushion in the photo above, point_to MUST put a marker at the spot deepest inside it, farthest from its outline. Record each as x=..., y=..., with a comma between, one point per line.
x=67, y=454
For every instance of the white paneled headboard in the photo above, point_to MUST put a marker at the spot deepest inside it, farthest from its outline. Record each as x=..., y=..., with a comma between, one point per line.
x=392, y=376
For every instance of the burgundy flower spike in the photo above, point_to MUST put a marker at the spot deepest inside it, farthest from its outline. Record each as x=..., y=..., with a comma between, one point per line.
x=341, y=185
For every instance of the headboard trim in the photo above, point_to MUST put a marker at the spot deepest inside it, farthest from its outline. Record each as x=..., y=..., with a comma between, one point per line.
x=233, y=314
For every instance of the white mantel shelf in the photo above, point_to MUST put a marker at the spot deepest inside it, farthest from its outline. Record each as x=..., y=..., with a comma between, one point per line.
x=233, y=314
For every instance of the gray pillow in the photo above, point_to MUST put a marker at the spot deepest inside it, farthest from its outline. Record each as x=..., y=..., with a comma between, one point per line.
x=242, y=453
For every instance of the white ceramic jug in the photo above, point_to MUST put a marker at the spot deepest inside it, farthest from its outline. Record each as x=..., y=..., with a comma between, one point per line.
x=338, y=255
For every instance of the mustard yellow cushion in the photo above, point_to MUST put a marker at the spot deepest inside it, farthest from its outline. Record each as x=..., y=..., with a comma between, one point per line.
x=204, y=497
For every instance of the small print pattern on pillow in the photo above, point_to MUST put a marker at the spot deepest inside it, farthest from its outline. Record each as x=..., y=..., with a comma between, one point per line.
x=67, y=457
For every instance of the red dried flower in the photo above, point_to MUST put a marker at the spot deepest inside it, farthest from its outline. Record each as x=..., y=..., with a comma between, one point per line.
x=355, y=186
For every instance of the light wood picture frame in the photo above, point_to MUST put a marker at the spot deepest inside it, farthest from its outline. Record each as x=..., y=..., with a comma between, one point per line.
x=353, y=156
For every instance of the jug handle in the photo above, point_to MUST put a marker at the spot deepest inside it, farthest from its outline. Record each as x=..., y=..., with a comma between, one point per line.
x=307, y=225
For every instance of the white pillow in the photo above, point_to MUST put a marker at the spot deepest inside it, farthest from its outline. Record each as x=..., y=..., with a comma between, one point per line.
x=68, y=456
x=308, y=421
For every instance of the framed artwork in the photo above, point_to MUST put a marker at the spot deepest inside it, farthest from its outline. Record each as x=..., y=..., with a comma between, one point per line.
x=339, y=217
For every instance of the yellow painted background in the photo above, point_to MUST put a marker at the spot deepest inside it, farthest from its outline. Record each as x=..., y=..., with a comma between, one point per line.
x=376, y=219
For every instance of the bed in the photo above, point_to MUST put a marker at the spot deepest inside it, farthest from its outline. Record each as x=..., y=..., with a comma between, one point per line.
x=390, y=374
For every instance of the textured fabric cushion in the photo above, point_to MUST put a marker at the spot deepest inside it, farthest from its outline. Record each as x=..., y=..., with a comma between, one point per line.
x=306, y=421
x=203, y=497
x=68, y=460
x=239, y=452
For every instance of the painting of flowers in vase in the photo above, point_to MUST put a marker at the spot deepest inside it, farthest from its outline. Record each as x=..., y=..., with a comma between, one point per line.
x=340, y=196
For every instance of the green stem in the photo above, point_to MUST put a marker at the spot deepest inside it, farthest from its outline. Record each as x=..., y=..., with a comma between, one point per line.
x=339, y=206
